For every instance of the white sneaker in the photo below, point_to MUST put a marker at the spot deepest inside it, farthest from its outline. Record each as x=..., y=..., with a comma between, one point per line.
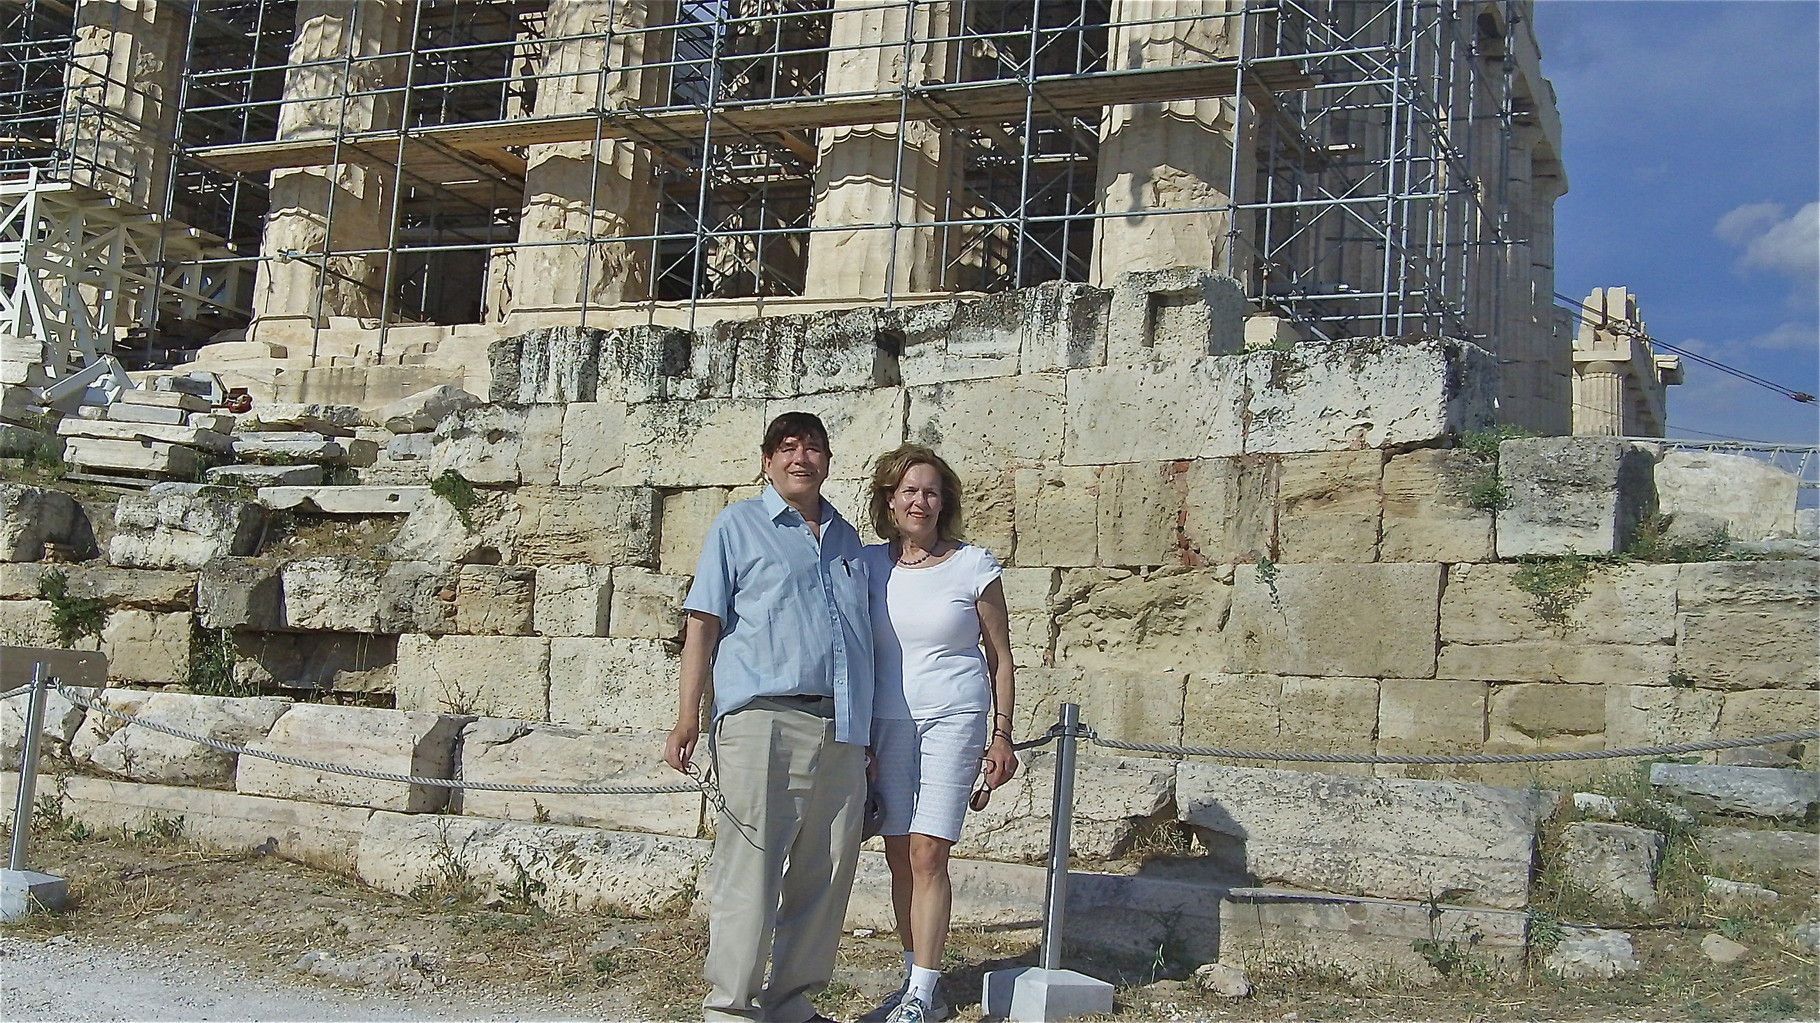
x=913, y=1010
x=883, y=1012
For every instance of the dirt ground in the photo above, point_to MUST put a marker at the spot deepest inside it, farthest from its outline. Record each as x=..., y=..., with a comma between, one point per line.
x=161, y=931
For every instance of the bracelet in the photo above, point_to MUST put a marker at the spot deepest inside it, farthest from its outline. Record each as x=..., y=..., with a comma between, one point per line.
x=998, y=732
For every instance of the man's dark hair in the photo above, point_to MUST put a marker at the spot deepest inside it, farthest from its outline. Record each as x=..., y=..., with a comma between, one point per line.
x=801, y=425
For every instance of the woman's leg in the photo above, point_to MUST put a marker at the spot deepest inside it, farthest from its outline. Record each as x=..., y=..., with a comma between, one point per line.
x=931, y=898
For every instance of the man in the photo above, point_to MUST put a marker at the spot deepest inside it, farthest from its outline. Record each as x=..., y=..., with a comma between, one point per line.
x=778, y=617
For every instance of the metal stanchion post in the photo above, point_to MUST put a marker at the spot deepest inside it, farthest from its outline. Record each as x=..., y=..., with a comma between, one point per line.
x=1048, y=992
x=1061, y=818
x=22, y=890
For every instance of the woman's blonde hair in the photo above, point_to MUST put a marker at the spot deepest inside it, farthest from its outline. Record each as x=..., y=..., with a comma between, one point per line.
x=889, y=471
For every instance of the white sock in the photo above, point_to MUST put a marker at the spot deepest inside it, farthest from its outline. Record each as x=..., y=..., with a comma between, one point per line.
x=909, y=963
x=922, y=984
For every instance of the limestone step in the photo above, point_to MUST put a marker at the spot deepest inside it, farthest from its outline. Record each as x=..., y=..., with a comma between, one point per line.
x=354, y=500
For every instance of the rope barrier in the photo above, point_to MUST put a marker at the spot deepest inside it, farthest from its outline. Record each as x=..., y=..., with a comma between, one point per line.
x=1055, y=732
x=1479, y=758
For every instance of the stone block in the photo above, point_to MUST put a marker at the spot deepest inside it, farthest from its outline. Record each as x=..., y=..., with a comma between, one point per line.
x=346, y=594
x=1229, y=513
x=1168, y=620
x=142, y=433
x=1618, y=604
x=549, y=364
x=1153, y=412
x=1362, y=393
x=861, y=425
x=324, y=837
x=647, y=605
x=133, y=456
x=584, y=525
x=1233, y=711
x=1136, y=705
x=286, y=447
x=1430, y=717
x=1659, y=715
x=1756, y=791
x=500, y=444
x=685, y=519
x=1772, y=712
x=120, y=412
x=494, y=600
x=140, y=589
x=421, y=412
x=391, y=741
x=1396, y=838
x=142, y=754
x=575, y=870
x=165, y=399
x=1751, y=498
x=647, y=362
x=328, y=420
x=1765, y=647
x=1180, y=312
x=572, y=600
x=1140, y=513
x=1329, y=715
x=1065, y=327
x=593, y=444
x=183, y=525
x=1545, y=717
x=240, y=593
x=1566, y=660
x=786, y=356
x=1762, y=852
x=706, y=443
x=1615, y=863
x=1041, y=693
x=1358, y=621
x=63, y=719
x=502, y=751
x=27, y=623
x=496, y=676
x=1027, y=595
x=1006, y=421
x=257, y=476
x=30, y=517
x=1568, y=495
x=1056, y=515
x=147, y=647
x=410, y=447
x=361, y=499
x=624, y=683
x=1588, y=953
x=1330, y=507
x=315, y=662
x=1114, y=798
x=1747, y=585
x=943, y=342
x=988, y=512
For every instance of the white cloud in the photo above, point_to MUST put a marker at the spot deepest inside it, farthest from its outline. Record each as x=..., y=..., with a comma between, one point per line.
x=1789, y=246
x=1789, y=337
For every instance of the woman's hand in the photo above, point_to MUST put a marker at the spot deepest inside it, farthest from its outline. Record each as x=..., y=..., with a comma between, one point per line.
x=1001, y=760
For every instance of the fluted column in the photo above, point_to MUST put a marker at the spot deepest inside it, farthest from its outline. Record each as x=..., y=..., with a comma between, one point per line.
x=120, y=107
x=869, y=173
x=1163, y=156
x=343, y=59
x=1599, y=400
x=577, y=191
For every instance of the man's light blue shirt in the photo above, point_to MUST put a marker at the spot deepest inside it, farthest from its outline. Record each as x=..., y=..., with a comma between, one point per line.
x=794, y=620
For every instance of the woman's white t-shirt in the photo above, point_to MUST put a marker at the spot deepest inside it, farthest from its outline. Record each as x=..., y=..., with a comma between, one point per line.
x=926, y=634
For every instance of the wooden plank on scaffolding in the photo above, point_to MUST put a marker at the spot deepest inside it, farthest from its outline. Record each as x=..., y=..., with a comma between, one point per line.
x=957, y=103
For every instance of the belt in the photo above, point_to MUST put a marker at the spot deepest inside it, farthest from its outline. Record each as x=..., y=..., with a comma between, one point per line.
x=820, y=706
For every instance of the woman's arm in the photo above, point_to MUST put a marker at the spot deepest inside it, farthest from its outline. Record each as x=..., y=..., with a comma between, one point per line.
x=995, y=637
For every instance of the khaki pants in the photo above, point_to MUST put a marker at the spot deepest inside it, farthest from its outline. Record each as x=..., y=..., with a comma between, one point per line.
x=785, y=845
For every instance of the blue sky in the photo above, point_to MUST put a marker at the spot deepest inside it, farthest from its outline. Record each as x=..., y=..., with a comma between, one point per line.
x=1692, y=148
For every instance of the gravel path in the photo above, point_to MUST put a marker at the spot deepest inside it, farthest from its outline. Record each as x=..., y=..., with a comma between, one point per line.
x=65, y=978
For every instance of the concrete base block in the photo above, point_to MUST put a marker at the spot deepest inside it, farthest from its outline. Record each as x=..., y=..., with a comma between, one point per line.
x=1033, y=993
x=22, y=891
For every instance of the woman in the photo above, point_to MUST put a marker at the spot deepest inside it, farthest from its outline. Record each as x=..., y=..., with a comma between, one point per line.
x=942, y=702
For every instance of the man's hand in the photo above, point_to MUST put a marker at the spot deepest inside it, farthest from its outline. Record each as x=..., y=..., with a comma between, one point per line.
x=679, y=746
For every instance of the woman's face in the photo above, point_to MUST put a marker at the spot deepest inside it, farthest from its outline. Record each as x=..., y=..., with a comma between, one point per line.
x=916, y=501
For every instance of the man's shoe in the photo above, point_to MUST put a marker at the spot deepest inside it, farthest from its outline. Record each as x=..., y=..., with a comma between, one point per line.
x=883, y=1012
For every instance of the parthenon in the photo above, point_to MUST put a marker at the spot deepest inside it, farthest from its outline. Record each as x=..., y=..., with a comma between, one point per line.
x=348, y=202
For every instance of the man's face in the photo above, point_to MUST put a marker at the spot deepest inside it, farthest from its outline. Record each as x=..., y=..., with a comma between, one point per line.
x=797, y=469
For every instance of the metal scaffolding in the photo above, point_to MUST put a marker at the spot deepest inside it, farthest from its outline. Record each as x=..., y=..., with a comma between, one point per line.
x=682, y=148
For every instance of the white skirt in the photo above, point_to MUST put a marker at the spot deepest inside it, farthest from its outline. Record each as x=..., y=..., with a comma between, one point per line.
x=926, y=772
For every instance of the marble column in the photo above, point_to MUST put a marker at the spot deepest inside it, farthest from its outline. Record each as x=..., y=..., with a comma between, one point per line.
x=587, y=193
x=1160, y=156
x=872, y=174
x=120, y=105
x=343, y=58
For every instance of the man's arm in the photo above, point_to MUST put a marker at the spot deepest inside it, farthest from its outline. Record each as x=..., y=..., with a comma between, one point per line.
x=700, y=634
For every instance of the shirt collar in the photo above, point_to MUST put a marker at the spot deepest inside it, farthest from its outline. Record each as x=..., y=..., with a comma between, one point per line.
x=775, y=505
